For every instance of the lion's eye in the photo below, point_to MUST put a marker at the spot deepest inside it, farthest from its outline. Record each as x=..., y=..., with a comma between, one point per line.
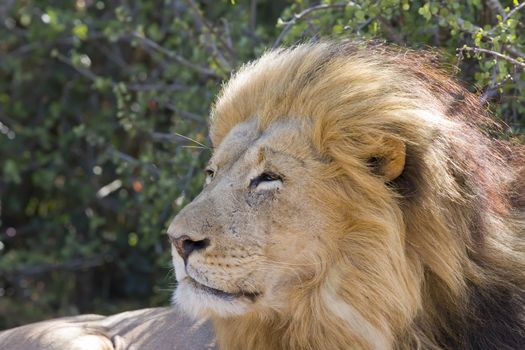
x=210, y=174
x=266, y=181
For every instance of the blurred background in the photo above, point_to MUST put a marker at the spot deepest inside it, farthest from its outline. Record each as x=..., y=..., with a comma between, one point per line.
x=103, y=122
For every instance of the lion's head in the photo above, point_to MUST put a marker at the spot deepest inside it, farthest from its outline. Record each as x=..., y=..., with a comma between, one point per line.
x=352, y=201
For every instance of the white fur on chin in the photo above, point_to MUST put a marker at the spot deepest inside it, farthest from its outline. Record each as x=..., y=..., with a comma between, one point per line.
x=198, y=303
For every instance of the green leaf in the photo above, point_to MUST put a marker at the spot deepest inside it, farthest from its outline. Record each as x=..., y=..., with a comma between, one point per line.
x=425, y=11
x=80, y=30
x=11, y=171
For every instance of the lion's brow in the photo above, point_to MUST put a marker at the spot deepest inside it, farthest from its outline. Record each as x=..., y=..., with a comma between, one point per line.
x=280, y=152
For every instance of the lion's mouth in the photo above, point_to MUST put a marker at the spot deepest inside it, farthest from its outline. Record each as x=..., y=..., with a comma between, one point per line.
x=220, y=293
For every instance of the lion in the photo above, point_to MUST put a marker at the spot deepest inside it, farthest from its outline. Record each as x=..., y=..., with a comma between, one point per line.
x=354, y=200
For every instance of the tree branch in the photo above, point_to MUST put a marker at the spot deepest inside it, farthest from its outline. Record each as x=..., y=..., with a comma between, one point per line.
x=152, y=169
x=495, y=7
x=203, y=22
x=130, y=86
x=70, y=265
x=148, y=43
x=297, y=17
x=83, y=71
x=475, y=28
x=514, y=51
x=253, y=15
x=494, y=53
x=513, y=11
x=390, y=32
x=492, y=90
x=5, y=7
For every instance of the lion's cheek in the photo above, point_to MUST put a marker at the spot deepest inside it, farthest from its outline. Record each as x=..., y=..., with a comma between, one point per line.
x=294, y=232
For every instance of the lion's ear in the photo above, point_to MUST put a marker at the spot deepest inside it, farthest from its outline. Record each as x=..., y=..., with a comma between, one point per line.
x=389, y=160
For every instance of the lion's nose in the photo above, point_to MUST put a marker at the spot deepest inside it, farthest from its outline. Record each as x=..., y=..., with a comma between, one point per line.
x=185, y=245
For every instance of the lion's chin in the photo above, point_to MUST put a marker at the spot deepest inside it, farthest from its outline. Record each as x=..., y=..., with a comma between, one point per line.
x=202, y=301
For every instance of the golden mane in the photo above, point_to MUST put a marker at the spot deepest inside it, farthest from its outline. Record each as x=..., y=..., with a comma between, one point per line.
x=458, y=204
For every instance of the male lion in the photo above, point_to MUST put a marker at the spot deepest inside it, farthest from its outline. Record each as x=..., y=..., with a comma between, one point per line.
x=354, y=202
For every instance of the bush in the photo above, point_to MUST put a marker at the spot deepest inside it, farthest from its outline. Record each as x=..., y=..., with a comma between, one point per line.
x=103, y=110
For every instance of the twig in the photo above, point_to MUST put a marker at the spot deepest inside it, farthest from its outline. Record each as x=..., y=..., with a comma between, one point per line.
x=211, y=37
x=83, y=71
x=185, y=114
x=390, y=32
x=488, y=33
x=29, y=228
x=70, y=265
x=253, y=15
x=461, y=24
x=492, y=90
x=513, y=11
x=514, y=51
x=495, y=6
x=179, y=59
x=210, y=28
x=157, y=87
x=297, y=17
x=152, y=169
x=494, y=53
x=5, y=8
x=227, y=32
x=114, y=55
x=133, y=87
x=505, y=18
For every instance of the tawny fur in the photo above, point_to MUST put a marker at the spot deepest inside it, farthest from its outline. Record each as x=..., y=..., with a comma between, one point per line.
x=431, y=259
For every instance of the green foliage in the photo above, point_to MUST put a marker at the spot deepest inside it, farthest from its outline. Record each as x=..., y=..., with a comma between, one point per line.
x=480, y=40
x=103, y=110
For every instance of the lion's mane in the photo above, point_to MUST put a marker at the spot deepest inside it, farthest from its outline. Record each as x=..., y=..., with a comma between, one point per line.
x=458, y=203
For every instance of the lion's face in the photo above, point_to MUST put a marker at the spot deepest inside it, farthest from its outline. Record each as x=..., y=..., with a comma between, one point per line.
x=345, y=207
x=253, y=227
